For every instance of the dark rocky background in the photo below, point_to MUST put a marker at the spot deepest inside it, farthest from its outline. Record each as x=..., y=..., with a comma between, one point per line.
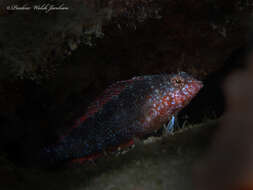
x=52, y=65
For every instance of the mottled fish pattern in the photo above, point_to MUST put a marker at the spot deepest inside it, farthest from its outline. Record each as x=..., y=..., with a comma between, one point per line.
x=126, y=110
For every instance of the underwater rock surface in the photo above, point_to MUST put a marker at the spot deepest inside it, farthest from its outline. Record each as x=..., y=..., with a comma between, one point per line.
x=158, y=163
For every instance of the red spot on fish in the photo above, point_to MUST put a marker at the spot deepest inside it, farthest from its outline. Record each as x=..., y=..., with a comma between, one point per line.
x=95, y=156
x=87, y=158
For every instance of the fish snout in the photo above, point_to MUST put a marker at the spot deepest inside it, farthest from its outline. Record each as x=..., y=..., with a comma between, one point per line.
x=194, y=87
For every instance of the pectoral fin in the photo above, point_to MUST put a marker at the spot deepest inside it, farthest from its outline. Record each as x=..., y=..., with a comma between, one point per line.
x=170, y=126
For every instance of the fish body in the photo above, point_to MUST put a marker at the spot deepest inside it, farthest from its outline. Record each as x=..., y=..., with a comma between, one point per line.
x=126, y=110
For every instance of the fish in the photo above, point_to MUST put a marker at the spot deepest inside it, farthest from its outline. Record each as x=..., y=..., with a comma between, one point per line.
x=126, y=110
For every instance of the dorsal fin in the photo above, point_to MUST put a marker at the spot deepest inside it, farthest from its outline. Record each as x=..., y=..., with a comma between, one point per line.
x=113, y=90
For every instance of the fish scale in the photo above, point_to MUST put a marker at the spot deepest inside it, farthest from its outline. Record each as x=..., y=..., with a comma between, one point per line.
x=126, y=110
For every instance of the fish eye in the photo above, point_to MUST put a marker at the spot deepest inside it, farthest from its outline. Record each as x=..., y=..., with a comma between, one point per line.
x=177, y=81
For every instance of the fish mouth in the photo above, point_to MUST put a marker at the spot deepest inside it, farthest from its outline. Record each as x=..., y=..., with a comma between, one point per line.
x=191, y=89
x=188, y=92
x=197, y=86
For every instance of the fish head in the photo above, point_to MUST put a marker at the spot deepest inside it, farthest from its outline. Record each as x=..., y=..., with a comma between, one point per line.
x=179, y=89
x=169, y=94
